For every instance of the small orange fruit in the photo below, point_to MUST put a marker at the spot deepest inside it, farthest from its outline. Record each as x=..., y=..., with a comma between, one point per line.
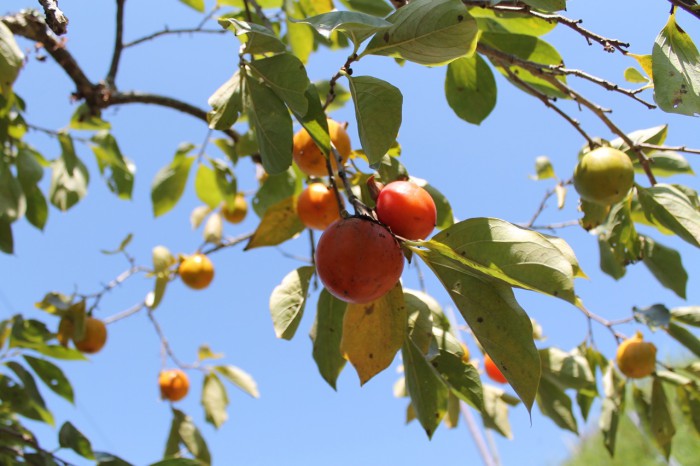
x=493, y=371
x=94, y=338
x=636, y=358
x=196, y=271
x=238, y=212
x=174, y=384
x=407, y=209
x=317, y=206
x=308, y=156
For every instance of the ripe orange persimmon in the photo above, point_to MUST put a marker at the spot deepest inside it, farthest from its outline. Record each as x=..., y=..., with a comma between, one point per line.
x=317, y=206
x=636, y=358
x=237, y=212
x=308, y=156
x=174, y=384
x=493, y=371
x=358, y=260
x=407, y=209
x=94, y=338
x=196, y=271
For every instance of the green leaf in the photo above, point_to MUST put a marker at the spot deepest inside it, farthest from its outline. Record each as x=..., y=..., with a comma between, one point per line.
x=299, y=37
x=70, y=437
x=462, y=378
x=661, y=421
x=52, y=376
x=170, y=181
x=326, y=335
x=556, y=405
x=286, y=76
x=671, y=208
x=37, y=207
x=373, y=333
x=378, y=114
x=470, y=88
x=543, y=168
x=195, y=4
x=121, y=178
x=226, y=103
x=204, y=352
x=108, y=459
x=495, y=412
x=11, y=60
x=257, y=39
x=567, y=370
x=420, y=318
x=568, y=253
x=85, y=119
x=690, y=406
x=531, y=49
x=675, y=70
x=506, y=22
x=499, y=324
x=31, y=393
x=665, y=263
x=288, y=300
x=13, y=204
x=633, y=75
x=69, y=177
x=239, y=378
x=356, y=26
x=177, y=462
x=279, y=224
x=274, y=189
x=29, y=167
x=655, y=316
x=426, y=388
x=514, y=255
x=613, y=407
x=371, y=7
x=685, y=337
x=666, y=163
x=428, y=32
x=273, y=126
x=206, y=187
x=186, y=432
x=6, y=241
x=315, y=121
x=547, y=5
x=214, y=400
x=689, y=315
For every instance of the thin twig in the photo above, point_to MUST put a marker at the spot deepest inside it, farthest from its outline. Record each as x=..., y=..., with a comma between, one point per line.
x=118, y=45
x=121, y=278
x=549, y=193
x=345, y=69
x=606, y=323
x=126, y=313
x=229, y=242
x=167, y=31
x=166, y=346
x=556, y=226
x=687, y=150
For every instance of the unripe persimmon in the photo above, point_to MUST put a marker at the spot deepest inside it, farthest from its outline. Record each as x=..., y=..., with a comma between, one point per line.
x=493, y=371
x=358, y=260
x=317, y=206
x=407, y=209
x=604, y=176
x=237, y=212
x=196, y=271
x=174, y=384
x=94, y=338
x=636, y=358
x=309, y=157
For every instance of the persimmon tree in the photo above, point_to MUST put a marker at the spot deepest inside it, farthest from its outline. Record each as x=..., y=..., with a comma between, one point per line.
x=272, y=115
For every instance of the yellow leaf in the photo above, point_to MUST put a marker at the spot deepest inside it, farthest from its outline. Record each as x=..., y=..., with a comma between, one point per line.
x=373, y=333
x=644, y=61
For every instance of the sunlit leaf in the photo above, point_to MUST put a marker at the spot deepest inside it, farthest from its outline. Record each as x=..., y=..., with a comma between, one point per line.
x=52, y=376
x=11, y=60
x=169, y=183
x=373, y=333
x=685, y=337
x=670, y=207
x=214, y=400
x=666, y=265
x=70, y=437
x=279, y=224
x=556, y=405
x=226, y=103
x=613, y=407
x=470, y=88
x=356, y=26
x=257, y=39
x=239, y=378
x=661, y=421
x=288, y=300
x=689, y=315
x=286, y=76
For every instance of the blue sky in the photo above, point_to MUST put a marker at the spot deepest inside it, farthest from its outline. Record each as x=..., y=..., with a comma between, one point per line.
x=299, y=420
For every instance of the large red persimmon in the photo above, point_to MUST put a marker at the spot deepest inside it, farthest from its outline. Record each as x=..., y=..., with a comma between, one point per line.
x=407, y=209
x=358, y=260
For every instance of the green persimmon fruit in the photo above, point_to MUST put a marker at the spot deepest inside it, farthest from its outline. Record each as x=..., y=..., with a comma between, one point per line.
x=604, y=176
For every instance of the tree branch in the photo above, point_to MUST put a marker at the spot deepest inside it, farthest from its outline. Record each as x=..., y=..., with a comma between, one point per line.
x=685, y=149
x=688, y=6
x=57, y=21
x=168, y=31
x=118, y=45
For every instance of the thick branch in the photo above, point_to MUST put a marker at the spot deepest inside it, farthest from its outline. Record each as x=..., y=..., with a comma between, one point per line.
x=121, y=98
x=31, y=25
x=55, y=18
x=118, y=45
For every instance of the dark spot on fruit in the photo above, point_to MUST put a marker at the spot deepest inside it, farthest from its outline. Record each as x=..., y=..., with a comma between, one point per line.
x=480, y=320
x=369, y=309
x=371, y=356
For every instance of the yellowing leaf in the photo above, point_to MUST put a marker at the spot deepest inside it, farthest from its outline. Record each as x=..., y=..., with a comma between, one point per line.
x=279, y=224
x=373, y=333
